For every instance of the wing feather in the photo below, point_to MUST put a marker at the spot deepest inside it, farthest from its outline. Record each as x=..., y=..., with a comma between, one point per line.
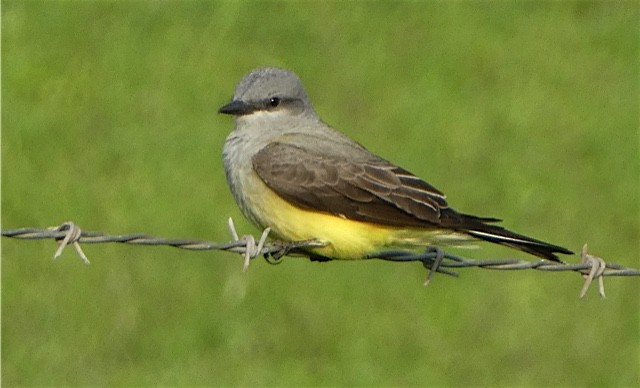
x=372, y=190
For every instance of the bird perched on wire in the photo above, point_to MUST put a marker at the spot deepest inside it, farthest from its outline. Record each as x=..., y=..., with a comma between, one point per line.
x=293, y=173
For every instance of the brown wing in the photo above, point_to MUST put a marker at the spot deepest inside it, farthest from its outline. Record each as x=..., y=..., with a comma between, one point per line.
x=373, y=190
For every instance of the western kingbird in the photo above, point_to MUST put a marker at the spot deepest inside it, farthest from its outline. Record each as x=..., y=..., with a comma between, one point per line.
x=290, y=171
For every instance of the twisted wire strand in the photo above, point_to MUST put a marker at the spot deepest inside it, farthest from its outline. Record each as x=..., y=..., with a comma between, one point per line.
x=434, y=259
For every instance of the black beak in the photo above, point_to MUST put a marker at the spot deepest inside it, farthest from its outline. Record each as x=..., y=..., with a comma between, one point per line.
x=236, y=108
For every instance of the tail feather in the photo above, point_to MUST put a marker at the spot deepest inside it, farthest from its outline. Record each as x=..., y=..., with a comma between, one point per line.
x=502, y=236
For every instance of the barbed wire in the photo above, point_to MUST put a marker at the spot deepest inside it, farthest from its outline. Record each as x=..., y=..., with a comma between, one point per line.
x=434, y=259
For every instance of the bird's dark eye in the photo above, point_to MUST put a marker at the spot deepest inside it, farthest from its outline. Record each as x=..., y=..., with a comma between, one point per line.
x=274, y=101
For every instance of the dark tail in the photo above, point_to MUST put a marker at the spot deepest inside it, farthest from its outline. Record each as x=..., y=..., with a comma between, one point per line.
x=502, y=236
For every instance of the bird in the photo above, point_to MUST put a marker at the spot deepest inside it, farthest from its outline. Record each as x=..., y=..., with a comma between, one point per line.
x=291, y=172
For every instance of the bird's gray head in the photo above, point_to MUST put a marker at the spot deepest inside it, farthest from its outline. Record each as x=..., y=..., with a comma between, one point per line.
x=269, y=89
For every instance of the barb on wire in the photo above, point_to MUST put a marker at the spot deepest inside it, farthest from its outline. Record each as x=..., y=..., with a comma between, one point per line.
x=433, y=258
x=598, y=266
x=71, y=237
x=252, y=249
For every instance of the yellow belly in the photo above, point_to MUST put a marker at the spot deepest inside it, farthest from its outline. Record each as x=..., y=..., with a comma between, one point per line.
x=345, y=239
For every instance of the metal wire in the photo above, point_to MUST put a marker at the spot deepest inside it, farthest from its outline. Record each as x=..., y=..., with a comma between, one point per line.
x=436, y=260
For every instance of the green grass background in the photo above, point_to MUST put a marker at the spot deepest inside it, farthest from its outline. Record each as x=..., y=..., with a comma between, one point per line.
x=526, y=111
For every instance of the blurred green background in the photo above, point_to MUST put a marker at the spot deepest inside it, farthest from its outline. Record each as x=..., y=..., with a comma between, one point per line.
x=526, y=111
